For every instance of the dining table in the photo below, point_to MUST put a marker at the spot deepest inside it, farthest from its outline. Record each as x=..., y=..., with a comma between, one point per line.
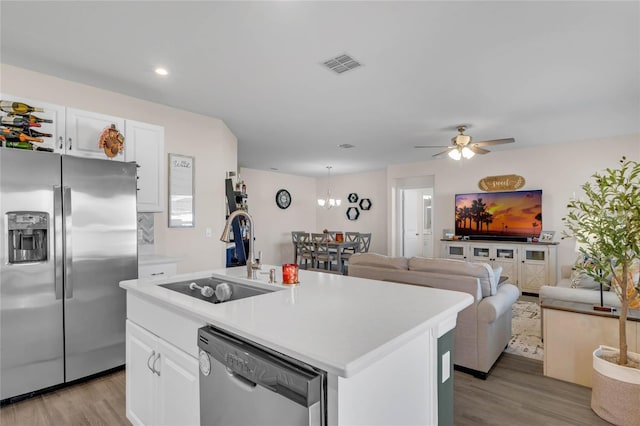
x=339, y=246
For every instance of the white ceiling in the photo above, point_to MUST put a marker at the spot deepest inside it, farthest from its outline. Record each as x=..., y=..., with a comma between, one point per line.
x=539, y=72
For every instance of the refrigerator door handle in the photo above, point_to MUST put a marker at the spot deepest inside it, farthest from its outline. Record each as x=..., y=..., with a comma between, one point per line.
x=66, y=202
x=57, y=240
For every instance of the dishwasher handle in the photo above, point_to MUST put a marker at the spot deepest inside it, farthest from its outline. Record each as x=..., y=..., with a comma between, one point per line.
x=241, y=382
x=266, y=369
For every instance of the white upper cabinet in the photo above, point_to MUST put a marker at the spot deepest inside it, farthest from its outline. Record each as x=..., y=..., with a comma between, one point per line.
x=77, y=132
x=83, y=130
x=144, y=144
x=52, y=112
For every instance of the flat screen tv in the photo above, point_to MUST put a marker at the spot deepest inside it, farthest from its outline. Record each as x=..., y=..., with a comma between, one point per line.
x=495, y=214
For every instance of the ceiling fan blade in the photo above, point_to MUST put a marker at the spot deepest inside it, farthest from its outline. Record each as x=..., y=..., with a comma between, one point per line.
x=478, y=150
x=494, y=142
x=445, y=152
x=432, y=146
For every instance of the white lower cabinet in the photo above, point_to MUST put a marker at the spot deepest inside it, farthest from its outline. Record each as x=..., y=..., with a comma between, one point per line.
x=162, y=381
x=528, y=265
x=157, y=270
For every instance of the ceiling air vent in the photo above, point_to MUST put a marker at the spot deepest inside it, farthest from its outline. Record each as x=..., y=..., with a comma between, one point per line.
x=341, y=63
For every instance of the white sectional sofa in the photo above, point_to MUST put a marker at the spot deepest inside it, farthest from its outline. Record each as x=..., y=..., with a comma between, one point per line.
x=483, y=329
x=577, y=289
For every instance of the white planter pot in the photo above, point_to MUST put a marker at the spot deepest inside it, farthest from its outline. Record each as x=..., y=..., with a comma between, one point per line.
x=615, y=394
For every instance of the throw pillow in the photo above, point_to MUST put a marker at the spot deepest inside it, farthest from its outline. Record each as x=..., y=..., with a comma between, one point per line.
x=497, y=271
x=581, y=280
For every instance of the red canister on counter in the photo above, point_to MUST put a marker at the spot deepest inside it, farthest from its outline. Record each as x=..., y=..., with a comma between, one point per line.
x=290, y=273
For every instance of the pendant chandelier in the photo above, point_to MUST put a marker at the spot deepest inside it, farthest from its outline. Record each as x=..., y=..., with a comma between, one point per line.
x=328, y=202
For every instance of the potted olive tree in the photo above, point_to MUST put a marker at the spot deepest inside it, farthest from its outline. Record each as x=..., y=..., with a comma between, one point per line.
x=606, y=226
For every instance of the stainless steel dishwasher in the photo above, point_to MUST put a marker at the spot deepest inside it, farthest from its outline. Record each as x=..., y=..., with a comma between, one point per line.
x=244, y=384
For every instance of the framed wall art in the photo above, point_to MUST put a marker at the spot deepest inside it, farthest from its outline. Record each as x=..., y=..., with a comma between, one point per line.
x=181, y=191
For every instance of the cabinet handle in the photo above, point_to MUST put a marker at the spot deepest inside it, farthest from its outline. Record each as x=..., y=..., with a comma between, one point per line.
x=157, y=273
x=155, y=370
x=61, y=141
x=153, y=353
x=70, y=145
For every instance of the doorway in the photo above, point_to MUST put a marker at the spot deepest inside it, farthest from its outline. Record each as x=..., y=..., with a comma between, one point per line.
x=417, y=222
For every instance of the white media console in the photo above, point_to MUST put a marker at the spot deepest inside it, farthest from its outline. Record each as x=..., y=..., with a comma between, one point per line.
x=528, y=265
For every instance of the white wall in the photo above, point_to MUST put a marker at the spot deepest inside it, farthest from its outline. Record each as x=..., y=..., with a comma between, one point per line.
x=273, y=225
x=206, y=138
x=370, y=185
x=558, y=170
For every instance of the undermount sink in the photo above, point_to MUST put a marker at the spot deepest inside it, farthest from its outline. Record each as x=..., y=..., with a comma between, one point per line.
x=215, y=290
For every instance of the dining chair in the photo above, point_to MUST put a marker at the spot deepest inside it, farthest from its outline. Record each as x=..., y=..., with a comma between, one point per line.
x=364, y=241
x=318, y=237
x=332, y=234
x=307, y=250
x=295, y=239
x=324, y=254
x=351, y=237
x=347, y=252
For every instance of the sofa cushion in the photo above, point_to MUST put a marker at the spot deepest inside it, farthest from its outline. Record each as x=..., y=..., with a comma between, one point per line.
x=482, y=271
x=382, y=261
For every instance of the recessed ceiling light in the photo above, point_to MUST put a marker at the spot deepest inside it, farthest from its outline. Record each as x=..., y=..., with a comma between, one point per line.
x=161, y=71
x=346, y=146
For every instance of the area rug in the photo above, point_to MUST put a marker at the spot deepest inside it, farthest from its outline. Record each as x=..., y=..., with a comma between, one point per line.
x=525, y=329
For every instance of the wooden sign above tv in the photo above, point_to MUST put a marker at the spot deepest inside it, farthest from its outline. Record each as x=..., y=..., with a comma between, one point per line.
x=501, y=183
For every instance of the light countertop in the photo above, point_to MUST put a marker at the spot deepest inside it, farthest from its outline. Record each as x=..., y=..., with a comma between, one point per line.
x=337, y=323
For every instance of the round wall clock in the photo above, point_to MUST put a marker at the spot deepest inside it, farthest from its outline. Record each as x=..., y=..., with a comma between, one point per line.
x=283, y=198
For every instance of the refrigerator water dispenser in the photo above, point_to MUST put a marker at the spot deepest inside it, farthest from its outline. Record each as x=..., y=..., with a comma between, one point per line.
x=27, y=234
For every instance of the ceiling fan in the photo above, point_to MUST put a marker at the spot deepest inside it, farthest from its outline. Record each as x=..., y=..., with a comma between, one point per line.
x=462, y=147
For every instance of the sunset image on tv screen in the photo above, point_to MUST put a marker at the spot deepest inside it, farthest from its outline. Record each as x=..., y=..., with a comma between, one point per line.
x=516, y=213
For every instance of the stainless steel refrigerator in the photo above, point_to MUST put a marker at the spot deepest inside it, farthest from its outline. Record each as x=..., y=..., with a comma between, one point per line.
x=68, y=227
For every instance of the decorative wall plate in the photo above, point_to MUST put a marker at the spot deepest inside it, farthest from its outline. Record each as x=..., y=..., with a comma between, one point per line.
x=283, y=198
x=353, y=197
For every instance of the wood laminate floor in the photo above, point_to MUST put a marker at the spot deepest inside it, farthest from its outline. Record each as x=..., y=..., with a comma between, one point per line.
x=516, y=393
x=99, y=401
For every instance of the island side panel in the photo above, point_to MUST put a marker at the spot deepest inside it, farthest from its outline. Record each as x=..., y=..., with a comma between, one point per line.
x=399, y=389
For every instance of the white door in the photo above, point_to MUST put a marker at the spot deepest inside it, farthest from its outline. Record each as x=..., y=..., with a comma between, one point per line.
x=410, y=228
x=417, y=229
x=141, y=381
x=83, y=129
x=179, y=392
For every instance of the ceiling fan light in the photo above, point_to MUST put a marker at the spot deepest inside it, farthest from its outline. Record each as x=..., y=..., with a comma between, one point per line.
x=455, y=154
x=321, y=202
x=338, y=202
x=467, y=153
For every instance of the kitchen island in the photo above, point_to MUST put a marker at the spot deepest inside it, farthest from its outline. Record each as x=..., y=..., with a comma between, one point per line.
x=378, y=342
